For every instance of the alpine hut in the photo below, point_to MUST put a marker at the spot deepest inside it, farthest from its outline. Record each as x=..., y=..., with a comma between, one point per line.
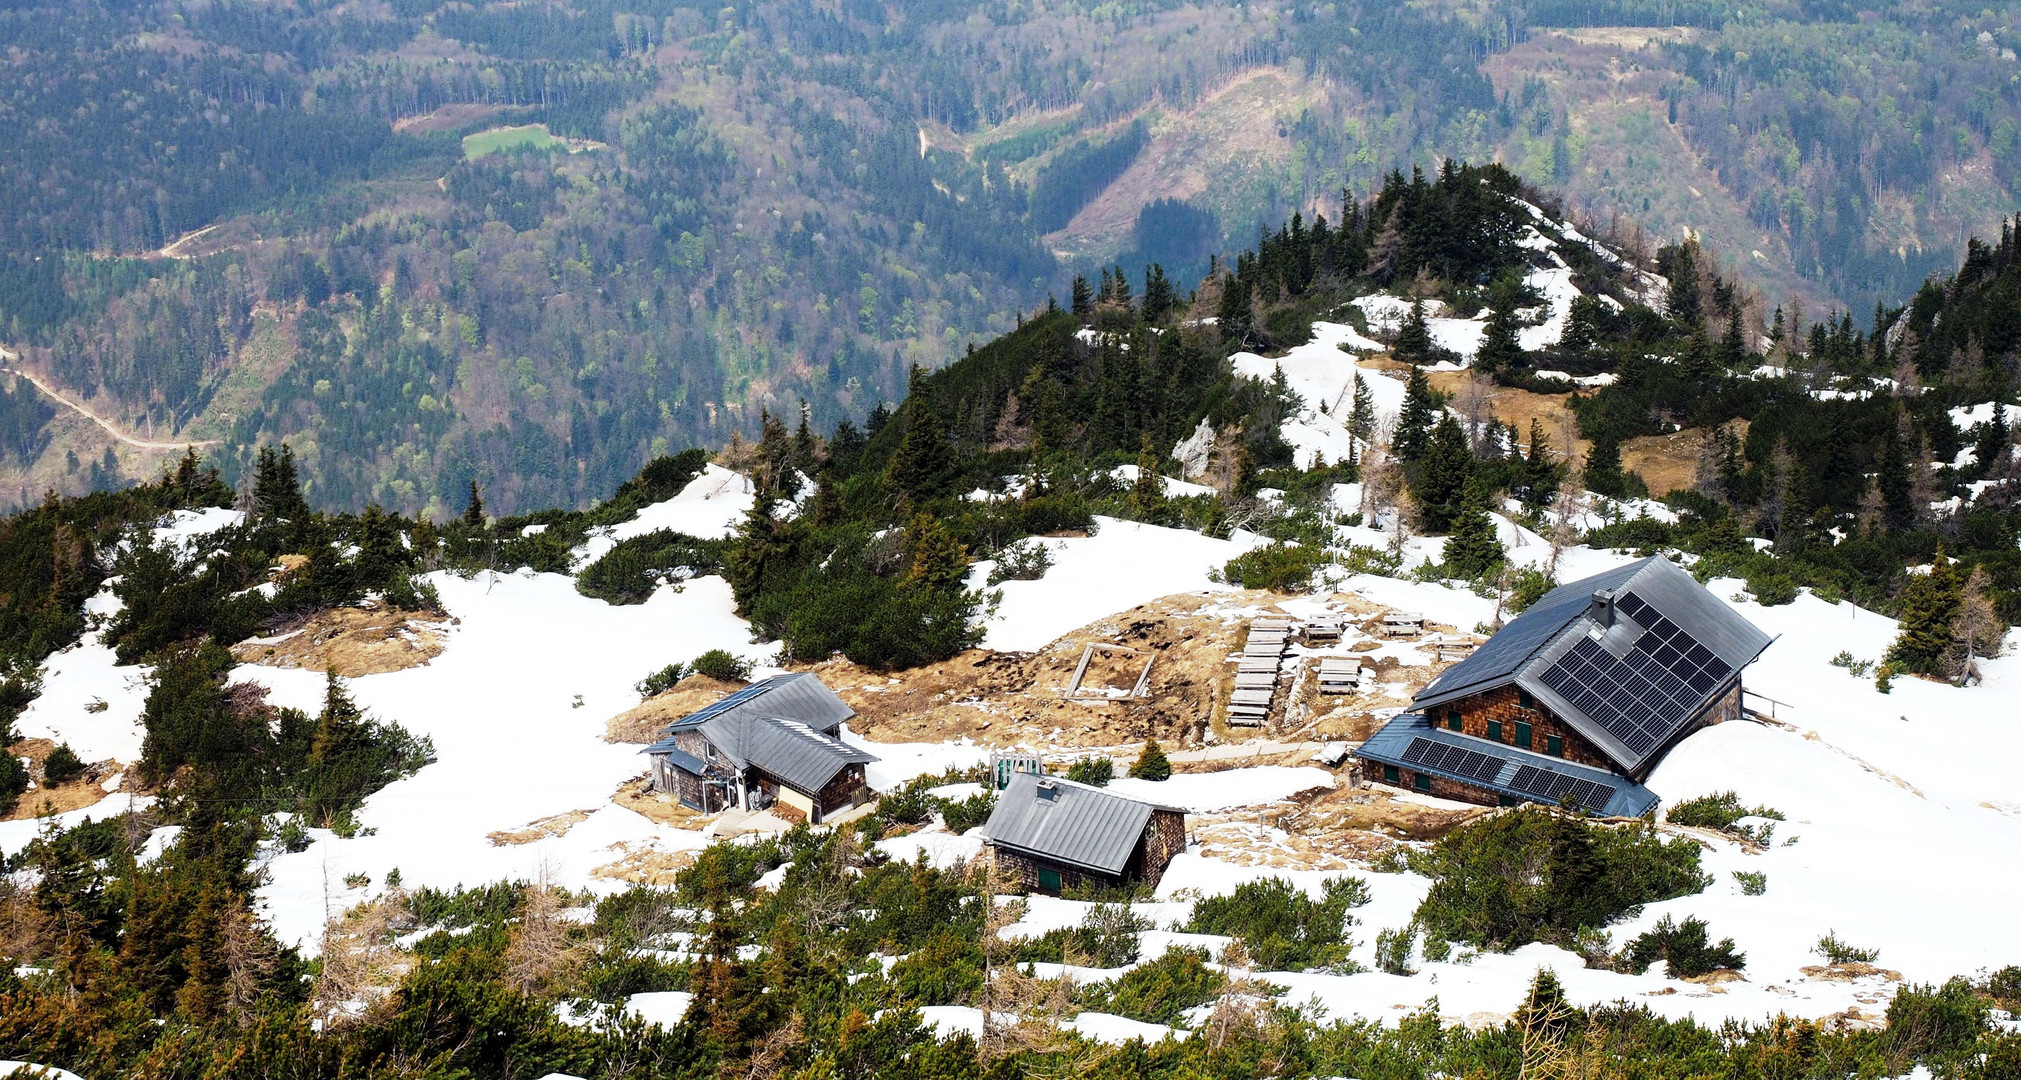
x=1051, y=834
x=1577, y=699
x=773, y=745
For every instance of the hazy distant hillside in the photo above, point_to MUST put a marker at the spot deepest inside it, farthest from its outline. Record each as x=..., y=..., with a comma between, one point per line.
x=252, y=224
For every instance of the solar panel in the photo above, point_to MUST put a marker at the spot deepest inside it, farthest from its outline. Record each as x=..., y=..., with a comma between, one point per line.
x=1643, y=696
x=1447, y=758
x=1548, y=786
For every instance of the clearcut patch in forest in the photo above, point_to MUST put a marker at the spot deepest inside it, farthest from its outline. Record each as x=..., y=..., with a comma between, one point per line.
x=522, y=137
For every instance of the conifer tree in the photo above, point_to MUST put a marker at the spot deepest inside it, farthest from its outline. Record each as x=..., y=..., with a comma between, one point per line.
x=935, y=559
x=473, y=512
x=1733, y=348
x=1147, y=495
x=1501, y=347
x=1892, y=478
x=1928, y=605
x=827, y=500
x=1119, y=290
x=1414, y=422
x=1442, y=475
x=1152, y=763
x=1540, y=472
x=1473, y=548
x=1083, y=297
x=923, y=467
x=380, y=552
x=1582, y=327
x=1233, y=317
x=1361, y=414
x=1603, y=466
x=1413, y=344
x=1159, y=298
x=806, y=449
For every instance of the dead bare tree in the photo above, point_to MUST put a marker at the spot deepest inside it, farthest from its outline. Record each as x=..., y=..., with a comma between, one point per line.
x=541, y=950
x=1977, y=626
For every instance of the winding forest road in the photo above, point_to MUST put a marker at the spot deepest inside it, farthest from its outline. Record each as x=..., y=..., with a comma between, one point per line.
x=144, y=444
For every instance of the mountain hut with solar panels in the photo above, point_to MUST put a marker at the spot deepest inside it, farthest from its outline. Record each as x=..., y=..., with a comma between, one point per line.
x=1577, y=700
x=773, y=745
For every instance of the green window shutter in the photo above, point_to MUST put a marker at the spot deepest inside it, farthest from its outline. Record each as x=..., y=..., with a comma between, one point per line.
x=1495, y=730
x=1424, y=782
x=1524, y=700
x=1389, y=775
x=1453, y=719
x=1506, y=800
x=1523, y=734
x=1049, y=879
x=1554, y=745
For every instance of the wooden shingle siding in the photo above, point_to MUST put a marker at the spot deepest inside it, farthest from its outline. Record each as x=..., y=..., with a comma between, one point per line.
x=1503, y=706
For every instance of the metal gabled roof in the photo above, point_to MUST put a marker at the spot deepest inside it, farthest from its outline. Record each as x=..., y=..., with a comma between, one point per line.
x=1627, y=658
x=1411, y=741
x=796, y=695
x=793, y=752
x=1069, y=823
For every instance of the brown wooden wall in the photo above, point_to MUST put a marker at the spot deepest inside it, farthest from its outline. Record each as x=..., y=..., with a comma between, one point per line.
x=1503, y=703
x=846, y=790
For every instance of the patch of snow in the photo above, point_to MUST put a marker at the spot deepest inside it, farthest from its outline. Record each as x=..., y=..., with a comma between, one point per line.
x=1124, y=564
x=1173, y=489
x=662, y=1007
x=710, y=507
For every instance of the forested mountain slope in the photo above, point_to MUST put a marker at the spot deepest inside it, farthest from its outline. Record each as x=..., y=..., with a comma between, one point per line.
x=257, y=223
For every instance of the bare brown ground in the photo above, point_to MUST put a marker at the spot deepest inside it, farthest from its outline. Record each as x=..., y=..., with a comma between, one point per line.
x=638, y=796
x=452, y=116
x=644, y=722
x=539, y=829
x=644, y=864
x=1009, y=699
x=1849, y=972
x=1368, y=814
x=350, y=641
x=1668, y=462
x=86, y=790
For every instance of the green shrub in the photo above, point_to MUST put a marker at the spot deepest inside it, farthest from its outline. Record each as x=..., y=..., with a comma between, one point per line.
x=1094, y=771
x=62, y=765
x=1282, y=928
x=1527, y=586
x=1107, y=937
x=1752, y=882
x=1686, y=948
x=1026, y=560
x=1536, y=875
x=944, y=970
x=13, y=781
x=1929, y=1021
x=718, y=664
x=1161, y=991
x=1722, y=811
x=1392, y=950
x=661, y=681
x=1276, y=567
x=1838, y=952
x=961, y=815
x=1151, y=763
x=2005, y=984
x=629, y=572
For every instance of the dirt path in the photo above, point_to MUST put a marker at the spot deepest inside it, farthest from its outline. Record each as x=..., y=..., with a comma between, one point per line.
x=101, y=421
x=174, y=249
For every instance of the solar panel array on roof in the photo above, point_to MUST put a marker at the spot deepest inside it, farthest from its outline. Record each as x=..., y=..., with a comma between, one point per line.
x=1549, y=786
x=1446, y=757
x=1512, y=646
x=1644, y=695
